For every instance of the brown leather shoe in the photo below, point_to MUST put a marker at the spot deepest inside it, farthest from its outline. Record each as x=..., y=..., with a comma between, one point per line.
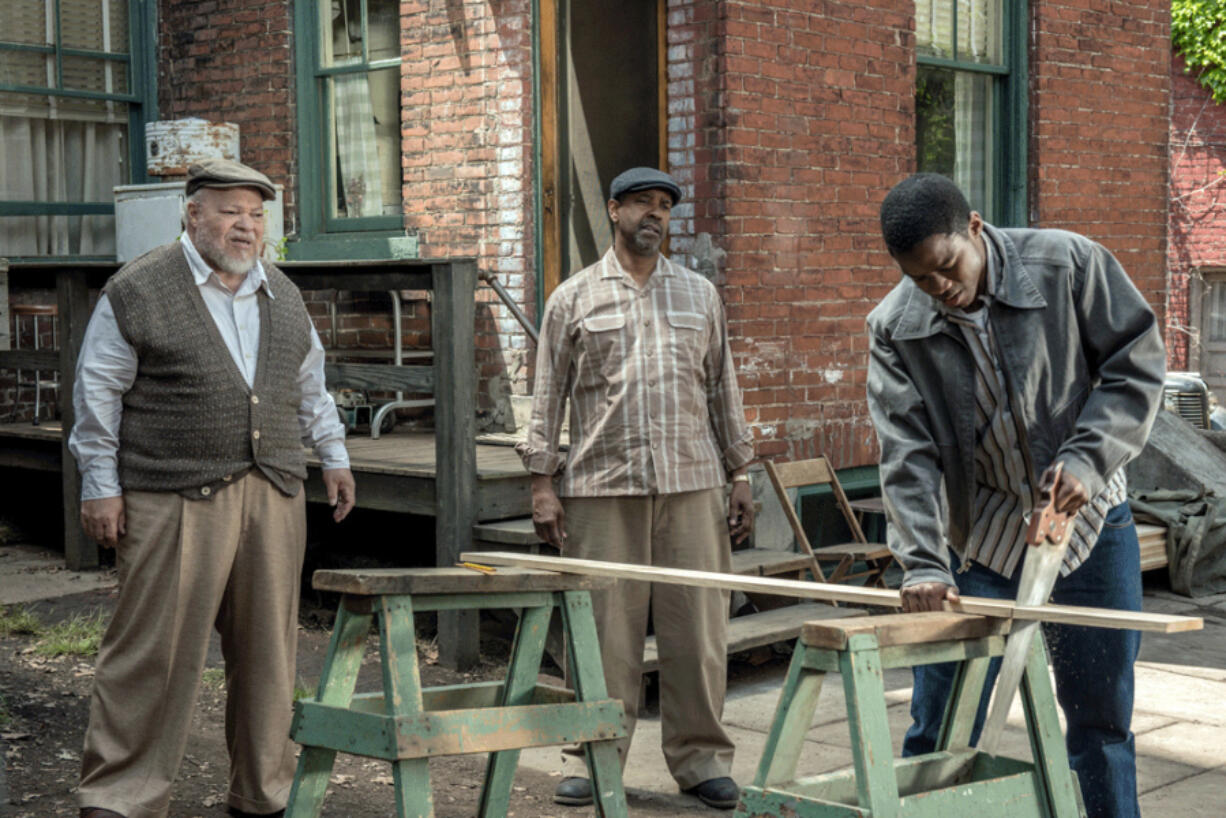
x=98, y=812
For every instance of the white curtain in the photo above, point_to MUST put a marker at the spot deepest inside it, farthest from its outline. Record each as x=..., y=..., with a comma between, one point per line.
x=979, y=28
x=48, y=160
x=63, y=149
x=356, y=146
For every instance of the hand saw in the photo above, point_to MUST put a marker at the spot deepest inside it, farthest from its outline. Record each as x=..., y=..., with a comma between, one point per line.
x=1047, y=535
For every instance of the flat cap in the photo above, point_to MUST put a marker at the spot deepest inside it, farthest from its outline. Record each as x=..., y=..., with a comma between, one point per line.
x=228, y=173
x=644, y=179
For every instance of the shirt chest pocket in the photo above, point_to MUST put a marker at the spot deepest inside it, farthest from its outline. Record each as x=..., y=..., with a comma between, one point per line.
x=603, y=343
x=687, y=338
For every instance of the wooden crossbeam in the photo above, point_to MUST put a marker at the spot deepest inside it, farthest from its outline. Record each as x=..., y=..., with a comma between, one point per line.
x=827, y=592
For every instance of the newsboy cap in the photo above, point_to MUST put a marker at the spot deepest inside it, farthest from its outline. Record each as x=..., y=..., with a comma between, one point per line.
x=228, y=173
x=644, y=179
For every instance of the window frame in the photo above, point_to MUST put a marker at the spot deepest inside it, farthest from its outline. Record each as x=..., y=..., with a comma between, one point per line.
x=141, y=101
x=321, y=235
x=1010, y=110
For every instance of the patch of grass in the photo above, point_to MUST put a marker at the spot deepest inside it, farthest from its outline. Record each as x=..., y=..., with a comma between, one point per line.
x=301, y=691
x=21, y=621
x=78, y=636
x=214, y=676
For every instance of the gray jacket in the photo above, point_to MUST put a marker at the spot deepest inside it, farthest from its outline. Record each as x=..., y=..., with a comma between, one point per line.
x=1083, y=364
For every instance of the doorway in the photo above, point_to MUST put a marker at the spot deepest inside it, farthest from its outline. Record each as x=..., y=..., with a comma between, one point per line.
x=603, y=110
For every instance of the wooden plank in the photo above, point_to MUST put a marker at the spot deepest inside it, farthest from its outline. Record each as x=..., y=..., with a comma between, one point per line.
x=764, y=628
x=551, y=196
x=903, y=629
x=450, y=580
x=826, y=592
x=72, y=296
x=45, y=360
x=387, y=377
x=453, y=327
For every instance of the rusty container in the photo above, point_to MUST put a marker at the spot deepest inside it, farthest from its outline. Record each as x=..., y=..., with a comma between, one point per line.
x=172, y=145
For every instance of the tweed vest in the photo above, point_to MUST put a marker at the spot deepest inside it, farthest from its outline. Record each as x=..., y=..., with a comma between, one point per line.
x=190, y=421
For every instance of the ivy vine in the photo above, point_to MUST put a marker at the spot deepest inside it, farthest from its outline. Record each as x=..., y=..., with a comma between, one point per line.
x=1198, y=32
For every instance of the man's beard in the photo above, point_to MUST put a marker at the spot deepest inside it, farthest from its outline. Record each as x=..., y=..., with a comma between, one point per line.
x=642, y=243
x=219, y=259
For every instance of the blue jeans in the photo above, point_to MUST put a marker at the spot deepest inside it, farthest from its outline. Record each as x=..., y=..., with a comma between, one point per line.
x=1093, y=669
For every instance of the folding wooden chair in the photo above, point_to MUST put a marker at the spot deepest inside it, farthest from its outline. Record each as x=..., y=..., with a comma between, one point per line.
x=817, y=471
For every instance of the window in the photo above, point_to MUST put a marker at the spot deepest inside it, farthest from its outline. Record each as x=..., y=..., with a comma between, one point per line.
x=970, y=94
x=73, y=101
x=349, y=118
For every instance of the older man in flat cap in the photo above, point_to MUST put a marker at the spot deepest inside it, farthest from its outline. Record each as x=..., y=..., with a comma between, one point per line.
x=639, y=346
x=200, y=379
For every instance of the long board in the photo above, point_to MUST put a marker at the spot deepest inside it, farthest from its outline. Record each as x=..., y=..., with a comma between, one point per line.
x=827, y=592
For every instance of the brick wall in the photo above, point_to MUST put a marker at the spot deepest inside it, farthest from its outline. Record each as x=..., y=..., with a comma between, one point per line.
x=467, y=144
x=233, y=61
x=1197, y=220
x=1100, y=78
x=801, y=118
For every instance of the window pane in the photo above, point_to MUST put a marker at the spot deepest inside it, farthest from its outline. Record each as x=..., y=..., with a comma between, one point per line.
x=27, y=68
x=1215, y=310
x=978, y=26
x=85, y=74
x=979, y=30
x=953, y=131
x=25, y=21
x=383, y=27
x=365, y=136
x=61, y=161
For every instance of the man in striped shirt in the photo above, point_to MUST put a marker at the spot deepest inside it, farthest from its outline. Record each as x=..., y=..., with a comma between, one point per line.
x=1002, y=353
x=638, y=345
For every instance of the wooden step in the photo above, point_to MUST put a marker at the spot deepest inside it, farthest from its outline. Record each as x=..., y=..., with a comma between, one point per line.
x=1153, y=546
x=517, y=532
x=766, y=562
x=764, y=628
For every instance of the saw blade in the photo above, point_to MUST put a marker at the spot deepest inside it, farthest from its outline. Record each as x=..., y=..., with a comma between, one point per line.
x=1039, y=573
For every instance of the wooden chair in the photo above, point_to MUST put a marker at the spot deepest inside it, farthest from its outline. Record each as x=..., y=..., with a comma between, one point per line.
x=818, y=471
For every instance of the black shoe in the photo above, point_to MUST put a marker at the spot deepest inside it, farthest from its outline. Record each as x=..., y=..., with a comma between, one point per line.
x=573, y=791
x=720, y=793
x=235, y=812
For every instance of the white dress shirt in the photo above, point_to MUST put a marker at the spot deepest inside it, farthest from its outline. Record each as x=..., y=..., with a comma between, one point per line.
x=107, y=367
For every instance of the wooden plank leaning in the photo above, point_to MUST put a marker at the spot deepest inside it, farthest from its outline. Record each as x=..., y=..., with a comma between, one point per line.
x=827, y=592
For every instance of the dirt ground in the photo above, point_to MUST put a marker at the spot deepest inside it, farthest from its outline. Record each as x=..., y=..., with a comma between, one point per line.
x=47, y=701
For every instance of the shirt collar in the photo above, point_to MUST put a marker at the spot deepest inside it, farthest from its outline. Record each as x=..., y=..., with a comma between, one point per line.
x=201, y=271
x=612, y=268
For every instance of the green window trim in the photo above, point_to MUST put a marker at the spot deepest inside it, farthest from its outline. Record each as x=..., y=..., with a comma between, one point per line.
x=142, y=102
x=1010, y=113
x=321, y=235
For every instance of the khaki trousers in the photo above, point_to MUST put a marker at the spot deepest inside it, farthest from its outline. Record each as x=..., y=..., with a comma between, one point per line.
x=686, y=530
x=185, y=567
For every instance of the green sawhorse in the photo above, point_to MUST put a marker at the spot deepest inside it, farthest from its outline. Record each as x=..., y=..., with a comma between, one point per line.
x=956, y=780
x=407, y=725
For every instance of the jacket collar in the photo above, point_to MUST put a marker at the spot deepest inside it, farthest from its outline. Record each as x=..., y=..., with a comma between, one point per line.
x=922, y=317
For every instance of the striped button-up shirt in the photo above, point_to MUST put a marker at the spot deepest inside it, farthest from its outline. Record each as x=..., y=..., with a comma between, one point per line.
x=654, y=403
x=1005, y=496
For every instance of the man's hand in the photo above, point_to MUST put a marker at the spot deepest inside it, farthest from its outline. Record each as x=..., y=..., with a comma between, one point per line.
x=104, y=521
x=342, y=492
x=548, y=518
x=928, y=596
x=740, y=511
x=1069, y=494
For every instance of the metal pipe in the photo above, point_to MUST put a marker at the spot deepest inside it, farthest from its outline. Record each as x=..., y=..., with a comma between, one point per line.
x=489, y=279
